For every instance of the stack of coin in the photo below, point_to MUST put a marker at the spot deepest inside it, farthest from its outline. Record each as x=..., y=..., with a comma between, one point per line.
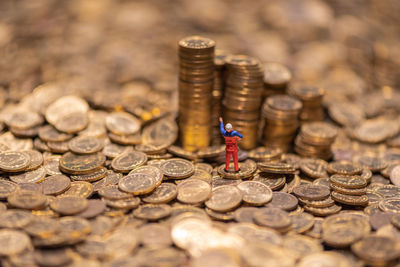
x=196, y=79
x=242, y=98
x=311, y=97
x=276, y=79
x=280, y=113
x=315, y=140
x=349, y=190
x=217, y=93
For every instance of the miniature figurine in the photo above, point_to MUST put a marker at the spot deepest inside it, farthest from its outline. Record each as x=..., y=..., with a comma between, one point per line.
x=231, y=138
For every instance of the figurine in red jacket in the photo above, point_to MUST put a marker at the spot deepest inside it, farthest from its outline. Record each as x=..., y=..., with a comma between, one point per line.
x=231, y=138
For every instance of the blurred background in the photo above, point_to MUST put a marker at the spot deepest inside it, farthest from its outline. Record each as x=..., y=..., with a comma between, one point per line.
x=347, y=47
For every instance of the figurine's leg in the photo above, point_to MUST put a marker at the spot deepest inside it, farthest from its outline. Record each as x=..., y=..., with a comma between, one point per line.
x=235, y=160
x=227, y=160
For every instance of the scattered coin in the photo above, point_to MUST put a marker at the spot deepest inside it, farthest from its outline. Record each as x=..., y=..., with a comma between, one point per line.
x=29, y=200
x=255, y=193
x=193, y=191
x=177, y=168
x=14, y=161
x=311, y=192
x=128, y=161
x=81, y=164
x=55, y=184
x=85, y=145
x=164, y=193
x=69, y=205
x=224, y=198
x=152, y=212
x=13, y=242
x=274, y=218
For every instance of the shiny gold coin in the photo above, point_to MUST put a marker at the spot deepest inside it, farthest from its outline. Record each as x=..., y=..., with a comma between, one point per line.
x=247, y=169
x=220, y=216
x=301, y=222
x=137, y=183
x=64, y=106
x=276, y=167
x=29, y=200
x=81, y=164
x=273, y=181
x=127, y=203
x=164, y=193
x=348, y=181
x=349, y=191
x=350, y=200
x=224, y=198
x=14, y=161
x=55, y=184
x=283, y=201
x=390, y=205
x=113, y=192
x=343, y=167
x=311, y=192
x=69, y=205
x=177, y=168
x=274, y=218
x=13, y=242
x=112, y=150
x=152, y=212
x=377, y=249
x=80, y=189
x=58, y=147
x=180, y=152
x=130, y=139
x=91, y=177
x=85, y=145
x=318, y=203
x=204, y=166
x=315, y=168
x=122, y=123
x=388, y=191
x=35, y=176
x=52, y=164
x=323, y=211
x=72, y=123
x=7, y=188
x=128, y=161
x=193, y=191
x=255, y=193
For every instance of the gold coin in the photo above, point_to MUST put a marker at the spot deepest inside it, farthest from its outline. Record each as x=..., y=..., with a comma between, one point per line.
x=325, y=203
x=129, y=139
x=64, y=106
x=390, y=205
x=81, y=164
x=23, y=119
x=348, y=181
x=283, y=201
x=29, y=200
x=315, y=168
x=193, y=191
x=80, y=189
x=7, y=188
x=211, y=151
x=224, y=198
x=377, y=250
x=95, y=207
x=122, y=123
x=14, y=218
x=36, y=159
x=349, y=199
x=255, y=193
x=72, y=123
x=58, y=147
x=91, y=177
x=323, y=211
x=349, y=191
x=35, y=176
x=52, y=164
x=177, y=168
x=128, y=161
x=311, y=192
x=126, y=203
x=113, y=192
x=55, y=184
x=274, y=218
x=273, y=181
x=161, y=133
x=85, y=145
x=246, y=170
x=164, y=193
x=264, y=154
x=112, y=150
x=152, y=212
x=14, y=161
x=326, y=258
x=137, y=183
x=301, y=245
x=301, y=222
x=253, y=233
x=13, y=242
x=343, y=167
x=50, y=134
x=204, y=166
x=388, y=191
x=198, y=174
x=69, y=205
x=155, y=234
x=42, y=227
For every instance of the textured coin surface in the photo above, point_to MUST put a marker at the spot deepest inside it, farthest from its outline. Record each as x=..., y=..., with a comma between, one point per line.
x=344, y=167
x=69, y=205
x=247, y=169
x=14, y=218
x=315, y=168
x=274, y=218
x=27, y=200
x=113, y=192
x=128, y=161
x=34, y=176
x=326, y=258
x=311, y=192
x=224, y=198
x=122, y=123
x=348, y=181
x=164, y=193
x=161, y=133
x=390, y=205
x=55, y=184
x=7, y=188
x=85, y=145
x=13, y=242
x=137, y=183
x=177, y=168
x=91, y=177
x=349, y=199
x=255, y=193
x=36, y=159
x=81, y=164
x=14, y=161
x=301, y=222
x=283, y=201
x=193, y=191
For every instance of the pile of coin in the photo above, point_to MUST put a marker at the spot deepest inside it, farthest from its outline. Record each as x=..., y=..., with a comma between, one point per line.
x=242, y=97
x=315, y=140
x=281, y=120
x=218, y=93
x=196, y=80
x=311, y=97
x=276, y=79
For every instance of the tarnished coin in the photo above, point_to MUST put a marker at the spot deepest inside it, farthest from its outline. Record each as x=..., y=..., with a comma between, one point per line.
x=162, y=194
x=55, y=184
x=130, y=139
x=245, y=214
x=283, y=201
x=379, y=219
x=246, y=170
x=81, y=164
x=54, y=257
x=177, y=168
x=200, y=175
x=113, y=192
x=315, y=168
x=128, y=161
x=122, y=123
x=137, y=183
x=274, y=218
x=342, y=230
x=220, y=216
x=255, y=193
x=36, y=159
x=91, y=177
x=377, y=249
x=344, y=167
x=349, y=199
x=14, y=161
x=224, y=198
x=80, y=189
x=265, y=154
x=50, y=134
x=23, y=119
x=85, y=145
x=390, y=205
x=193, y=191
x=58, y=147
x=14, y=218
x=324, y=259
x=376, y=130
x=7, y=188
x=301, y=222
x=151, y=171
x=204, y=166
x=346, y=113
x=29, y=200
x=13, y=242
x=311, y=192
x=69, y=205
x=35, y=176
x=348, y=181
x=388, y=191
x=152, y=212
x=161, y=133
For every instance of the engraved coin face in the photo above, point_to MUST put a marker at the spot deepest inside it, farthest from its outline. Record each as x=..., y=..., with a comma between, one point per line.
x=196, y=42
x=137, y=183
x=255, y=193
x=128, y=161
x=55, y=184
x=224, y=198
x=34, y=176
x=311, y=192
x=81, y=164
x=177, y=168
x=193, y=191
x=85, y=145
x=348, y=181
x=164, y=193
x=14, y=161
x=273, y=217
x=377, y=248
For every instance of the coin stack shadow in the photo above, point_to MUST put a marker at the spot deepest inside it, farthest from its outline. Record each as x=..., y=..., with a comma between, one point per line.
x=218, y=93
x=281, y=120
x=242, y=98
x=196, y=79
x=276, y=79
x=315, y=140
x=311, y=97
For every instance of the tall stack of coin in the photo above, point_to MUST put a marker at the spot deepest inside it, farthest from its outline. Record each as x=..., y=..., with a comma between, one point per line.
x=196, y=79
x=276, y=79
x=311, y=97
x=281, y=120
x=218, y=93
x=242, y=98
x=315, y=140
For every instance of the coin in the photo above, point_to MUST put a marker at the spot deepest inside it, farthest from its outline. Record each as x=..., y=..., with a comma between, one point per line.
x=193, y=191
x=315, y=168
x=55, y=184
x=69, y=205
x=85, y=145
x=13, y=242
x=349, y=191
x=348, y=181
x=318, y=203
x=377, y=249
x=274, y=218
x=91, y=177
x=301, y=222
x=122, y=123
x=35, y=176
x=343, y=167
x=152, y=212
x=27, y=200
x=255, y=193
x=325, y=258
x=14, y=161
x=349, y=199
x=160, y=133
x=79, y=188
x=7, y=188
x=283, y=201
x=390, y=205
x=154, y=234
x=50, y=134
x=379, y=219
x=246, y=170
x=137, y=183
x=36, y=159
x=81, y=164
x=42, y=227
x=112, y=150
x=128, y=161
x=177, y=168
x=273, y=181
x=164, y=193
x=395, y=175
x=94, y=208
x=113, y=192
x=51, y=164
x=301, y=246
x=72, y=123
x=311, y=192
x=224, y=198
x=323, y=211
x=14, y=218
